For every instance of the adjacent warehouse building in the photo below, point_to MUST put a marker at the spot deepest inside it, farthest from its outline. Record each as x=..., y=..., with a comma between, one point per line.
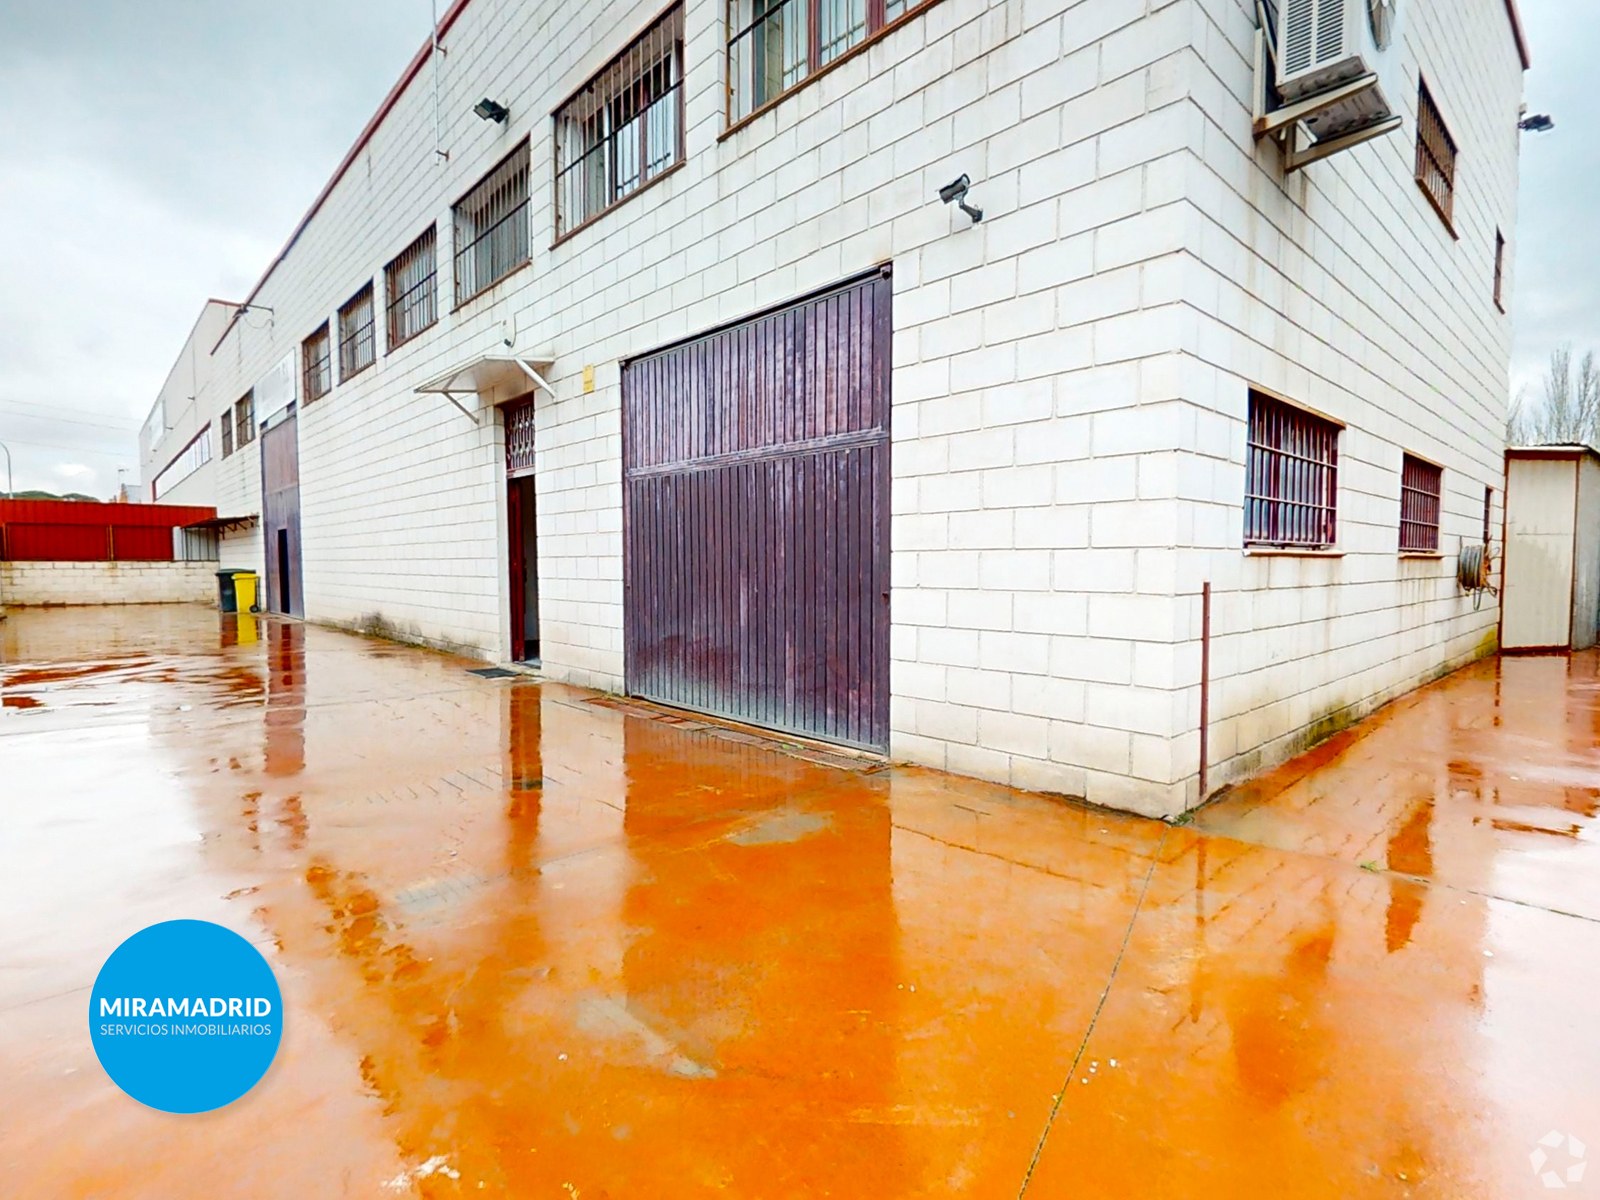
x=667, y=347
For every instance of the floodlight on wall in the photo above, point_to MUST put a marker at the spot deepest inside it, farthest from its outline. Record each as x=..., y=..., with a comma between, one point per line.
x=489, y=110
x=1536, y=123
x=956, y=193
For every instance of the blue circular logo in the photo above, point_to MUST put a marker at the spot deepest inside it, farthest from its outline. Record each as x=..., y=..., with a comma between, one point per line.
x=186, y=1016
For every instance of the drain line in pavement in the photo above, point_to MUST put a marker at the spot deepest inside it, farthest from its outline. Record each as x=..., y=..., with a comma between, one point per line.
x=1094, y=1019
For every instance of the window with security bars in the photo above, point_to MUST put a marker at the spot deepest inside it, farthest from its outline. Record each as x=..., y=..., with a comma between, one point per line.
x=491, y=226
x=1291, y=477
x=1436, y=156
x=227, y=433
x=409, y=285
x=244, y=419
x=358, y=346
x=623, y=128
x=775, y=45
x=316, y=365
x=1421, y=493
x=1499, y=270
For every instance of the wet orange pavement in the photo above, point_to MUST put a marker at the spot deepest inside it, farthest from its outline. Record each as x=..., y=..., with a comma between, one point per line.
x=532, y=945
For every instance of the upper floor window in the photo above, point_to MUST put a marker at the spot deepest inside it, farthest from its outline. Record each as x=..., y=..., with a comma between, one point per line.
x=409, y=283
x=491, y=226
x=1291, y=477
x=774, y=45
x=1421, y=498
x=357, y=335
x=623, y=128
x=316, y=365
x=244, y=419
x=1499, y=270
x=1436, y=156
x=227, y=431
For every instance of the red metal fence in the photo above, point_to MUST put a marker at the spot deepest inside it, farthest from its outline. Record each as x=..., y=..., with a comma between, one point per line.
x=79, y=531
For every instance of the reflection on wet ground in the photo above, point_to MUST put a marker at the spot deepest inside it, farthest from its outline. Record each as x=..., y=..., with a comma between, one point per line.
x=533, y=946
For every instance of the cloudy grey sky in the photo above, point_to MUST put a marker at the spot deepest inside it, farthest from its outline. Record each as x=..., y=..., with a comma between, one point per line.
x=152, y=155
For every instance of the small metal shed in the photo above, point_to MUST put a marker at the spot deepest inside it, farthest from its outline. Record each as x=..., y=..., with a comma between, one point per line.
x=1551, y=599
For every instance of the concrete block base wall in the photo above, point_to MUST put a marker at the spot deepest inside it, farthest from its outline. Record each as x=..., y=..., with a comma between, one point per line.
x=44, y=583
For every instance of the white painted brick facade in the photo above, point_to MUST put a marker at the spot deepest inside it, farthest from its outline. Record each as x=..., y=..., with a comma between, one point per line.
x=1069, y=381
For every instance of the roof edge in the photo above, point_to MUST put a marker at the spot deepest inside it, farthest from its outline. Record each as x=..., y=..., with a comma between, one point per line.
x=1518, y=33
x=418, y=61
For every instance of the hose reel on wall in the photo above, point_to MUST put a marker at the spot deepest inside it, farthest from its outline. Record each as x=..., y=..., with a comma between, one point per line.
x=1473, y=572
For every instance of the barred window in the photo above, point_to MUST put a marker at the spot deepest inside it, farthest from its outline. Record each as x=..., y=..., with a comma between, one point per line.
x=409, y=283
x=775, y=45
x=491, y=226
x=227, y=432
x=1436, y=156
x=623, y=128
x=244, y=419
x=1499, y=270
x=1291, y=477
x=316, y=365
x=357, y=335
x=1421, y=492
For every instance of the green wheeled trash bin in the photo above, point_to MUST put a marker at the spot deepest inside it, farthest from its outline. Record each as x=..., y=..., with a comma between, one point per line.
x=227, y=595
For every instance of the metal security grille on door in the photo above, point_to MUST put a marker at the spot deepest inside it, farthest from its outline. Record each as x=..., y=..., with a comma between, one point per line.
x=756, y=467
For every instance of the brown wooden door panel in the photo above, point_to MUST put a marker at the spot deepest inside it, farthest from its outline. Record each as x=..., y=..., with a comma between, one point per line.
x=756, y=519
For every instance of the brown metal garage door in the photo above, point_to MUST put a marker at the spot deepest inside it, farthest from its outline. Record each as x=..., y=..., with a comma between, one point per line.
x=756, y=506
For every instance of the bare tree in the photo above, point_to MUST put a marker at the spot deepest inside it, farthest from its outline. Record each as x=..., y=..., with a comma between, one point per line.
x=1571, y=409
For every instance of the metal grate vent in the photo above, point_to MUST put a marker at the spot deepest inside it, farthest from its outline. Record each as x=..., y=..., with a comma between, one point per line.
x=1299, y=21
x=1330, y=31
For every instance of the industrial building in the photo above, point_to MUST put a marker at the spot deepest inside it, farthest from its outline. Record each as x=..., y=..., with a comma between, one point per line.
x=1094, y=397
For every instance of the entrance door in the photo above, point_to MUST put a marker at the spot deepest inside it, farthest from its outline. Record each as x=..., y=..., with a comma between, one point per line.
x=756, y=490
x=280, y=516
x=523, y=533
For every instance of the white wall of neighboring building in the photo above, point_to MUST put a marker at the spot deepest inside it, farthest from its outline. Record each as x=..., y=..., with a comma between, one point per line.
x=184, y=405
x=1069, y=375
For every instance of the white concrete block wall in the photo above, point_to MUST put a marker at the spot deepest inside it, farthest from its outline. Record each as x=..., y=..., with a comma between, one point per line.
x=1069, y=375
x=51, y=583
x=1341, y=289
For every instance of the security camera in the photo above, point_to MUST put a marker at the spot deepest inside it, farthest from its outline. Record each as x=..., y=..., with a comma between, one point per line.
x=955, y=193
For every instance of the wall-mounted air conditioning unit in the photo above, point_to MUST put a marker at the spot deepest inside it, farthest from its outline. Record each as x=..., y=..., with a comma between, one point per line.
x=1322, y=45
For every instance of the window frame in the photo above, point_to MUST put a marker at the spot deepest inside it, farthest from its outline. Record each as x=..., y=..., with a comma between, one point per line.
x=200, y=444
x=1292, y=461
x=351, y=334
x=879, y=24
x=1430, y=120
x=244, y=419
x=1499, y=269
x=668, y=25
x=324, y=369
x=1421, y=506
x=394, y=304
x=487, y=185
x=225, y=423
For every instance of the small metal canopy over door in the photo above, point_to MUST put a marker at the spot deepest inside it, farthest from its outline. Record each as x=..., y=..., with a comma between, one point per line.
x=756, y=510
